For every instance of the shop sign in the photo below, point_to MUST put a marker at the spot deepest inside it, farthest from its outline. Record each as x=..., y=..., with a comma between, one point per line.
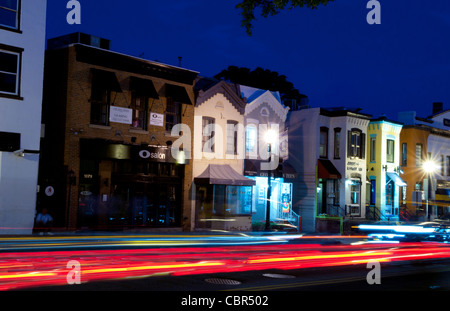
x=120, y=115
x=156, y=119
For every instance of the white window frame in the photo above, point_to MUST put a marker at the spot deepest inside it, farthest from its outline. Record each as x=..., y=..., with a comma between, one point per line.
x=17, y=73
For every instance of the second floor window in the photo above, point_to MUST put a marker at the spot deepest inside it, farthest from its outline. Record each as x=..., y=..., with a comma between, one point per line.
x=231, y=137
x=9, y=13
x=404, y=154
x=373, y=146
x=390, y=151
x=208, y=134
x=173, y=114
x=356, y=146
x=104, y=84
x=419, y=155
x=337, y=143
x=323, y=148
x=139, y=104
x=9, y=72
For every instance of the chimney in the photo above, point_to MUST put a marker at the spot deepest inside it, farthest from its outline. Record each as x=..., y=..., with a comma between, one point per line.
x=437, y=107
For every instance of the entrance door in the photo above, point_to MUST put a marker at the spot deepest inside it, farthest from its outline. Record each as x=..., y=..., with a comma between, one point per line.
x=321, y=197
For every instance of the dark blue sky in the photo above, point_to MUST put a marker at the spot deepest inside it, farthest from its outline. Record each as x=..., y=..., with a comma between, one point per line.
x=330, y=54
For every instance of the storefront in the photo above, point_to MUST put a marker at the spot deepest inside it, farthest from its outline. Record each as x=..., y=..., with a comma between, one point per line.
x=280, y=193
x=128, y=186
x=223, y=199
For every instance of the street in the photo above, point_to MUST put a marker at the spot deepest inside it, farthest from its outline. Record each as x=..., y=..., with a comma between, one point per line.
x=220, y=262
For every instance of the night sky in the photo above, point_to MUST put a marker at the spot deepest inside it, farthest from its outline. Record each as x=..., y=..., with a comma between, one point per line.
x=331, y=54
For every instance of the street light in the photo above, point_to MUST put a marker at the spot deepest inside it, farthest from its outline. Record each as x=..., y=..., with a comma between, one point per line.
x=429, y=167
x=270, y=137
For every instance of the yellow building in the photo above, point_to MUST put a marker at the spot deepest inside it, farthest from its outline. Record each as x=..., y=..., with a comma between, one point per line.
x=384, y=184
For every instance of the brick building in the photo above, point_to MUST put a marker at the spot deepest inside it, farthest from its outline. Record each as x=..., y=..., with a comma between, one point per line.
x=106, y=153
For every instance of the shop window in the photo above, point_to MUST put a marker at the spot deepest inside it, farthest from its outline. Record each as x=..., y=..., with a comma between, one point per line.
x=390, y=151
x=10, y=14
x=10, y=72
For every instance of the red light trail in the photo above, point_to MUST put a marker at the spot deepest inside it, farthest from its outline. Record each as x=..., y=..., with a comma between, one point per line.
x=19, y=270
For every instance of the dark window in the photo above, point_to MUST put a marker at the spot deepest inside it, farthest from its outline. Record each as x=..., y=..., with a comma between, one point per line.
x=323, y=147
x=404, y=154
x=9, y=72
x=208, y=126
x=139, y=104
x=9, y=13
x=337, y=143
x=9, y=141
x=448, y=166
x=104, y=83
x=390, y=151
x=173, y=114
x=373, y=149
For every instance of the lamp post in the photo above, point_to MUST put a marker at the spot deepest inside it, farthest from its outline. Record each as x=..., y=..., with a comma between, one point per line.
x=429, y=167
x=270, y=138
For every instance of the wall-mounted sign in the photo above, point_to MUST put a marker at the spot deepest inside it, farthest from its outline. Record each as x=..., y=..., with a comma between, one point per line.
x=156, y=119
x=49, y=191
x=120, y=115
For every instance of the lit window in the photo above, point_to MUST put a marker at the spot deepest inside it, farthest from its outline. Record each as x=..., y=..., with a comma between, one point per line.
x=231, y=137
x=390, y=151
x=251, y=139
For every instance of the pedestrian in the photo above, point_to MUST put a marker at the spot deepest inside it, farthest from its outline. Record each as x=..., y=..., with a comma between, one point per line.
x=43, y=222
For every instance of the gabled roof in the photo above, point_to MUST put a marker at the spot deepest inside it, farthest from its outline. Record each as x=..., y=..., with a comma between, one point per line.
x=208, y=87
x=256, y=97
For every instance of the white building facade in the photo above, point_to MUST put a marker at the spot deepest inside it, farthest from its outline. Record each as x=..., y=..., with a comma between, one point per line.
x=327, y=149
x=22, y=46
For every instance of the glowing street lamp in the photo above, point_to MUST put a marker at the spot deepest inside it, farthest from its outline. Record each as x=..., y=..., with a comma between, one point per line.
x=270, y=138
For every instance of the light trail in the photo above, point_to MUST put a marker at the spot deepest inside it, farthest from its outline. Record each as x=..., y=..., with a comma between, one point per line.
x=28, y=268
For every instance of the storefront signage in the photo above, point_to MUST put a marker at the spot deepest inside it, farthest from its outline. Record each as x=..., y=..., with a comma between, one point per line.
x=120, y=115
x=145, y=154
x=156, y=119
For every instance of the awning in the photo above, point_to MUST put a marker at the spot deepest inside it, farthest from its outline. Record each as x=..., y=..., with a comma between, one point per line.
x=177, y=93
x=396, y=179
x=143, y=87
x=105, y=79
x=222, y=174
x=327, y=170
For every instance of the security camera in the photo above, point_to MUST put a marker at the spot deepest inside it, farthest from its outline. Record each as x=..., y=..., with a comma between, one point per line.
x=19, y=153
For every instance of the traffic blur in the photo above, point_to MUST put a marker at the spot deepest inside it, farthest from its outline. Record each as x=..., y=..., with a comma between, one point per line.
x=27, y=263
